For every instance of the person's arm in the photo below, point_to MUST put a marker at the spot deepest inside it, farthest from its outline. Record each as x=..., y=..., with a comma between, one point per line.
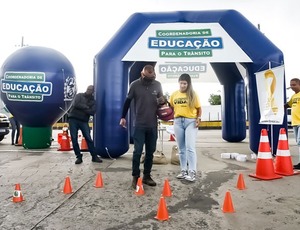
x=124, y=112
x=198, y=119
x=125, y=107
x=91, y=109
x=199, y=113
x=161, y=100
x=286, y=105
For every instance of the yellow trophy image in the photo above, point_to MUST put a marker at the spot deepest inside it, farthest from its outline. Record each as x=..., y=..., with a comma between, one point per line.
x=270, y=86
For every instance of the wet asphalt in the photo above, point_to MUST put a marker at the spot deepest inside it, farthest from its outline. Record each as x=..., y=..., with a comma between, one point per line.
x=42, y=173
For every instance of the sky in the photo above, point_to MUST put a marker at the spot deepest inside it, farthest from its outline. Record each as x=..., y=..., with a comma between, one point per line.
x=80, y=29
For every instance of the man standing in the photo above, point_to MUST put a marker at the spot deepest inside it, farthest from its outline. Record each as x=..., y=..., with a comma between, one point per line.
x=147, y=94
x=82, y=108
x=294, y=104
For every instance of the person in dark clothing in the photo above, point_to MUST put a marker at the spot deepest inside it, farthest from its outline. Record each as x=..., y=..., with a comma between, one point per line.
x=147, y=94
x=15, y=129
x=82, y=108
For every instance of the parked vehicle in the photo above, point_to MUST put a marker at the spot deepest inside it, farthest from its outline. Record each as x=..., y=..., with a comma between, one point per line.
x=4, y=126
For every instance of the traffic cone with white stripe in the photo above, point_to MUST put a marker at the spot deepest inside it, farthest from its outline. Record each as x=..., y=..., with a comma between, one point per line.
x=17, y=196
x=264, y=163
x=283, y=160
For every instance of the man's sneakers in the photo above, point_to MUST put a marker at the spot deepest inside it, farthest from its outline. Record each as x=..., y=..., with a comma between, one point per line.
x=134, y=181
x=78, y=161
x=96, y=159
x=148, y=180
x=182, y=174
x=297, y=167
x=189, y=176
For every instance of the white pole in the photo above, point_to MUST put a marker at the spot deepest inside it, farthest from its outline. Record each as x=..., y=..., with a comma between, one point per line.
x=271, y=124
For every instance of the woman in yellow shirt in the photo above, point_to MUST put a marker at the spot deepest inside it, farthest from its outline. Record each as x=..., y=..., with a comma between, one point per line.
x=187, y=117
x=294, y=104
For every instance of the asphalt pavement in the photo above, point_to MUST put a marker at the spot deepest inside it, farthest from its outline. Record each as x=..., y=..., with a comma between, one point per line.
x=42, y=173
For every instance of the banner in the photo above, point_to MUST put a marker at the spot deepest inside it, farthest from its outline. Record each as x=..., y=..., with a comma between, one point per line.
x=270, y=95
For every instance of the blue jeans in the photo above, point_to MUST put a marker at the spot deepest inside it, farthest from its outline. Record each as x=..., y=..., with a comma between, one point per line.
x=141, y=136
x=297, y=134
x=76, y=125
x=186, y=133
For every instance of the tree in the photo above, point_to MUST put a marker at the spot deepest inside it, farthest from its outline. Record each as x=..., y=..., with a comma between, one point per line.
x=214, y=99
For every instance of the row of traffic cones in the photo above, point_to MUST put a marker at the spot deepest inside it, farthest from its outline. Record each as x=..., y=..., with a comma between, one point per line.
x=18, y=196
x=228, y=204
x=266, y=168
x=68, y=187
x=162, y=211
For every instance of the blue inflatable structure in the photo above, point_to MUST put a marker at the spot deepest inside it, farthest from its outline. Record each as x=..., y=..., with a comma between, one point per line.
x=38, y=85
x=113, y=74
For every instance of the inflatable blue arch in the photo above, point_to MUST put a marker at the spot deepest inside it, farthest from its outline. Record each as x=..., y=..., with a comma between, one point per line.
x=115, y=67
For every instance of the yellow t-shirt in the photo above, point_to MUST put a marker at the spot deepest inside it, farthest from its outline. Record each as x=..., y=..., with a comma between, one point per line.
x=294, y=103
x=179, y=102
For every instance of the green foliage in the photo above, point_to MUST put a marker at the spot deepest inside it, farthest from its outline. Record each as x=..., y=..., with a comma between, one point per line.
x=214, y=99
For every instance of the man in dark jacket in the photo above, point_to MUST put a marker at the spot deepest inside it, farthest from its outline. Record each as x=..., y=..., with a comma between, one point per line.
x=147, y=94
x=82, y=108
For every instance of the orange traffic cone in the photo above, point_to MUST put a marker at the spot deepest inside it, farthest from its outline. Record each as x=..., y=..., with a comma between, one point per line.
x=172, y=137
x=59, y=136
x=20, y=141
x=167, y=189
x=67, y=186
x=99, y=181
x=228, y=205
x=240, y=183
x=84, y=146
x=139, y=188
x=283, y=160
x=17, y=196
x=65, y=143
x=162, y=211
x=264, y=162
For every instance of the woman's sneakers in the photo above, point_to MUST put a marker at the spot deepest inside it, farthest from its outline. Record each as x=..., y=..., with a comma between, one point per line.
x=189, y=176
x=182, y=174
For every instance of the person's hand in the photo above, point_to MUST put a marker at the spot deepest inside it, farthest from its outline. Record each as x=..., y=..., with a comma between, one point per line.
x=161, y=100
x=123, y=122
x=198, y=120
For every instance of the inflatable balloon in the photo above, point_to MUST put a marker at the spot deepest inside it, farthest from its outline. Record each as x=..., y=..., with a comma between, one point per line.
x=38, y=85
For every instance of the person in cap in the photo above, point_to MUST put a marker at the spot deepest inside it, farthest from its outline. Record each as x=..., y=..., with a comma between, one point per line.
x=147, y=94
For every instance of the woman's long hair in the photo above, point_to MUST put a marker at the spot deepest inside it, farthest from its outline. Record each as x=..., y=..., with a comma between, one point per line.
x=190, y=93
